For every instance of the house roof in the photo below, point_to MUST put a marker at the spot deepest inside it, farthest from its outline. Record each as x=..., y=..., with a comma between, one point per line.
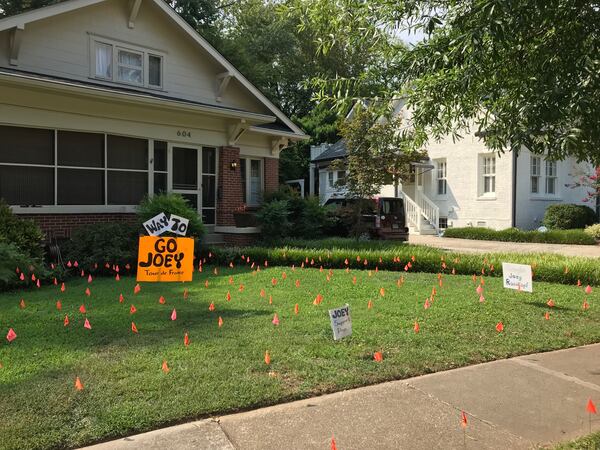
x=336, y=151
x=20, y=20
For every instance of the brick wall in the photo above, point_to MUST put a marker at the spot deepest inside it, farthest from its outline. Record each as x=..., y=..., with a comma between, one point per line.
x=62, y=225
x=239, y=240
x=271, y=174
x=229, y=197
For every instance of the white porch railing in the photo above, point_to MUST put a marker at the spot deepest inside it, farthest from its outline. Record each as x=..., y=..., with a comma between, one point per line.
x=413, y=212
x=429, y=210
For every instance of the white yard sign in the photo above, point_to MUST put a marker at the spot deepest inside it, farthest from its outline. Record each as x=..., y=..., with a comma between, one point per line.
x=517, y=276
x=341, y=323
x=178, y=225
x=157, y=225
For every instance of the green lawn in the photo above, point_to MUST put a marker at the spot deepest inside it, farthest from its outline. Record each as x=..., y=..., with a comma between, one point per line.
x=223, y=369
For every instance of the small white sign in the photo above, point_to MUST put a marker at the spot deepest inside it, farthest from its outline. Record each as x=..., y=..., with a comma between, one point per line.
x=517, y=276
x=341, y=323
x=178, y=225
x=157, y=225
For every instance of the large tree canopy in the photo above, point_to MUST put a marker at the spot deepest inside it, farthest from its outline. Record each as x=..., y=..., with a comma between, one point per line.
x=522, y=73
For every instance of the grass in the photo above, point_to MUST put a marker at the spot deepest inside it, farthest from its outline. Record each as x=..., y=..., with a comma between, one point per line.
x=333, y=252
x=223, y=369
x=590, y=442
x=577, y=237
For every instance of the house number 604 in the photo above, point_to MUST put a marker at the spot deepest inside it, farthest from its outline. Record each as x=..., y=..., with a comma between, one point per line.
x=184, y=133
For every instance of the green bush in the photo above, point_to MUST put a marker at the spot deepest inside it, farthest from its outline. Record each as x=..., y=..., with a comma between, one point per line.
x=593, y=231
x=273, y=217
x=394, y=256
x=516, y=235
x=101, y=243
x=566, y=216
x=24, y=234
x=11, y=258
x=170, y=204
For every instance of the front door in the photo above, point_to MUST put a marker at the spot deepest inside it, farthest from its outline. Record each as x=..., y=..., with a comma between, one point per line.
x=193, y=176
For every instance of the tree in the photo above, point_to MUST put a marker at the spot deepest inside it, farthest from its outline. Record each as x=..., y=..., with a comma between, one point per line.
x=521, y=73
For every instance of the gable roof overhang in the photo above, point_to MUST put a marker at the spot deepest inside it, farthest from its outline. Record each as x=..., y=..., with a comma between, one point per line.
x=19, y=21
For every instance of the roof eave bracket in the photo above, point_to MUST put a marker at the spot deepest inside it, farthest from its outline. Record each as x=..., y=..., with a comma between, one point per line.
x=16, y=37
x=223, y=80
x=134, y=9
x=278, y=144
x=236, y=131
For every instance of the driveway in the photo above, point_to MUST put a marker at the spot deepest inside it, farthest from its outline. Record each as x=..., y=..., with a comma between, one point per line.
x=474, y=246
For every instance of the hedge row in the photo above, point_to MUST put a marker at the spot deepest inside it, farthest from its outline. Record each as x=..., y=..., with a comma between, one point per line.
x=515, y=235
x=546, y=267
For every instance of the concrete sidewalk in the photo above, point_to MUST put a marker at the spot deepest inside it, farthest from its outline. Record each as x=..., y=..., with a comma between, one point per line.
x=475, y=246
x=519, y=403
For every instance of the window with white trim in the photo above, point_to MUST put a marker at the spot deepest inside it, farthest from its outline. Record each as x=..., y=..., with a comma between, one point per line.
x=41, y=167
x=535, y=172
x=442, y=183
x=122, y=63
x=488, y=175
x=252, y=180
x=341, y=178
x=330, y=179
x=551, y=177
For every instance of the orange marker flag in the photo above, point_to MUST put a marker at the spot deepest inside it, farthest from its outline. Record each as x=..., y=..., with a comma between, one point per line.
x=22, y=277
x=88, y=292
x=37, y=283
x=296, y=308
x=117, y=278
x=228, y=296
x=585, y=305
x=78, y=384
x=588, y=289
x=22, y=304
x=241, y=288
x=133, y=327
x=66, y=321
x=220, y=322
x=550, y=303
x=297, y=283
x=463, y=419
x=591, y=408
x=132, y=310
x=275, y=320
x=206, y=284
x=283, y=275
x=11, y=335
x=137, y=289
x=378, y=356
x=267, y=358
x=547, y=315
x=453, y=271
x=499, y=327
x=230, y=280
x=318, y=299
x=273, y=281
x=354, y=280
x=262, y=293
x=121, y=298
x=382, y=292
x=211, y=307
x=89, y=278
x=346, y=261
x=370, y=304
x=174, y=314
x=416, y=328
x=58, y=305
x=62, y=287
x=82, y=309
x=426, y=305
x=161, y=300
x=333, y=446
x=165, y=367
x=186, y=294
x=270, y=299
x=186, y=340
x=87, y=324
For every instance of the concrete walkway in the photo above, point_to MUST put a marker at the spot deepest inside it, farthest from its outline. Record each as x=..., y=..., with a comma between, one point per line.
x=519, y=403
x=474, y=246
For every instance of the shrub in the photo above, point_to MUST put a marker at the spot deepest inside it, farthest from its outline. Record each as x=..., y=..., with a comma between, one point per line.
x=24, y=234
x=11, y=258
x=561, y=216
x=273, y=217
x=593, y=231
x=170, y=204
x=100, y=243
x=516, y=235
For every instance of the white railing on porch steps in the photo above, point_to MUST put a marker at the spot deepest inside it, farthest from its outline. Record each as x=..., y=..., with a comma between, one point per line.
x=413, y=212
x=429, y=210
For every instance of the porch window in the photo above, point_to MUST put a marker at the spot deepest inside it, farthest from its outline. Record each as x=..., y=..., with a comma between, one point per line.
x=551, y=176
x=341, y=177
x=489, y=175
x=252, y=181
x=330, y=179
x=441, y=177
x=160, y=167
x=536, y=172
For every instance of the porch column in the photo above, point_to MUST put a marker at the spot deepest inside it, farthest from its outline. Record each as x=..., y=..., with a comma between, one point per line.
x=229, y=189
x=311, y=179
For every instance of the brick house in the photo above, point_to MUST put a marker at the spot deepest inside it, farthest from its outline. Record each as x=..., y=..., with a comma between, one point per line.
x=105, y=101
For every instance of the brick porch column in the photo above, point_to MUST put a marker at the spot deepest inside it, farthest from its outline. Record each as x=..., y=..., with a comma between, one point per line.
x=271, y=174
x=229, y=197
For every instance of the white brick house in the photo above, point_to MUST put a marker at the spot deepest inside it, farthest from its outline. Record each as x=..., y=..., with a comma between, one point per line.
x=465, y=184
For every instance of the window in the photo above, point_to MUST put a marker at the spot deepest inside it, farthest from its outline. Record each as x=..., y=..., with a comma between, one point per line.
x=341, y=177
x=443, y=223
x=536, y=172
x=82, y=169
x=160, y=167
x=330, y=181
x=441, y=177
x=252, y=180
x=489, y=175
x=551, y=176
x=135, y=66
